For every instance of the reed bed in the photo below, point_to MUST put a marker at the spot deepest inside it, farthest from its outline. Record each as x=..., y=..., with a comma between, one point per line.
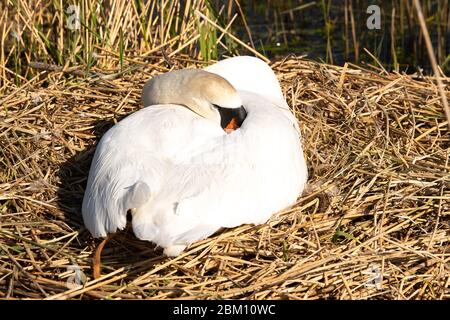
x=372, y=224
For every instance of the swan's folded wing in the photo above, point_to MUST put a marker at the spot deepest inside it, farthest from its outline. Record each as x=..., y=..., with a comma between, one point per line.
x=220, y=187
x=131, y=159
x=118, y=181
x=113, y=188
x=245, y=178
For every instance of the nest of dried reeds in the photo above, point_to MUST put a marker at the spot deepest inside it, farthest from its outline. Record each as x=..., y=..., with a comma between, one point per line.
x=373, y=222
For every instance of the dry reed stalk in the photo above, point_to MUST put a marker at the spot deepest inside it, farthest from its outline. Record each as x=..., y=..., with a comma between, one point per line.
x=252, y=50
x=434, y=64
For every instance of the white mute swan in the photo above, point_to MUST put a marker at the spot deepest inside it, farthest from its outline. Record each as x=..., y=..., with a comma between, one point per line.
x=180, y=174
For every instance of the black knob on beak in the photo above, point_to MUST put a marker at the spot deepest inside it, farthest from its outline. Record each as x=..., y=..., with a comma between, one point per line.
x=228, y=115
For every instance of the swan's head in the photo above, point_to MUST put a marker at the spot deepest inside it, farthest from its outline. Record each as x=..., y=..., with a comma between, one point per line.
x=207, y=94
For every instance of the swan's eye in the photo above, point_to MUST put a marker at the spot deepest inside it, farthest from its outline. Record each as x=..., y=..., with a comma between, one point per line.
x=231, y=119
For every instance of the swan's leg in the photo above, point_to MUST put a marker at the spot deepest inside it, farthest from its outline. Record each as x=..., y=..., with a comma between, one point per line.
x=174, y=250
x=96, y=264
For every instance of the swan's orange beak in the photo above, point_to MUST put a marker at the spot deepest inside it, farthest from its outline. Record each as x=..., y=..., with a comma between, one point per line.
x=231, y=126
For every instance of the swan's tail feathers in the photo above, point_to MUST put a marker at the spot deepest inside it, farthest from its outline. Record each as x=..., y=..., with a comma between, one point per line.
x=105, y=206
x=136, y=195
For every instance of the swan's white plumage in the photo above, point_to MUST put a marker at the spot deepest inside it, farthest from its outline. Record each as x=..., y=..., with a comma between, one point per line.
x=185, y=178
x=249, y=74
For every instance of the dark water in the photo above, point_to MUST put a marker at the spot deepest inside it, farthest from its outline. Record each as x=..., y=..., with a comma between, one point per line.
x=319, y=31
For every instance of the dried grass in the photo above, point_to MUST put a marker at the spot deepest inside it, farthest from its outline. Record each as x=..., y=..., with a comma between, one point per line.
x=377, y=147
